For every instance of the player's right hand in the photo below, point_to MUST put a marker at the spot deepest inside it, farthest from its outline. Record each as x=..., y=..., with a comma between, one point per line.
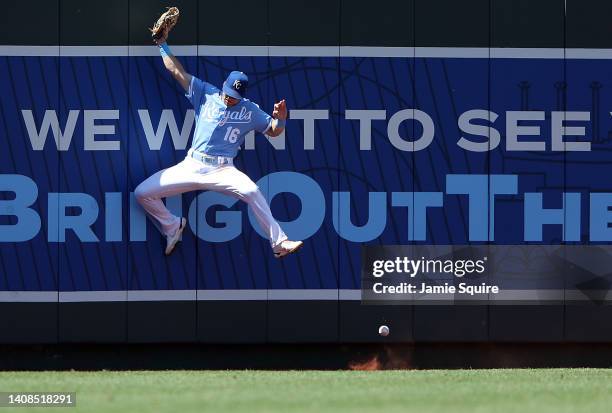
x=280, y=110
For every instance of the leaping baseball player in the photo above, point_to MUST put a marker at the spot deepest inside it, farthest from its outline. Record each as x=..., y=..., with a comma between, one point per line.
x=222, y=119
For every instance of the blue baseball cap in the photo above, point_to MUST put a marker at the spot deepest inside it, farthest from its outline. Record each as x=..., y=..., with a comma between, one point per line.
x=236, y=84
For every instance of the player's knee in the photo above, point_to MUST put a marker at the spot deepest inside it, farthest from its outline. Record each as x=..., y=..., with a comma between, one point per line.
x=250, y=192
x=140, y=194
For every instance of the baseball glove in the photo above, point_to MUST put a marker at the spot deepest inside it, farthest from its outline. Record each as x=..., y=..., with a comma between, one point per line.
x=165, y=23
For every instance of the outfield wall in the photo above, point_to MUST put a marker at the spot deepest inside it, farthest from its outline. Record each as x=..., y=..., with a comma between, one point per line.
x=412, y=102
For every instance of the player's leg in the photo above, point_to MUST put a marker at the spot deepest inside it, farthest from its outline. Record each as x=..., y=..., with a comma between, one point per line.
x=175, y=180
x=233, y=182
x=253, y=196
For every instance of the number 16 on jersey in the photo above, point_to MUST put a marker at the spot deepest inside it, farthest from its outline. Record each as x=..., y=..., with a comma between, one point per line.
x=232, y=134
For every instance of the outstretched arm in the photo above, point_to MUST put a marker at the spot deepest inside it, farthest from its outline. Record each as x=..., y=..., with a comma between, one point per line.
x=173, y=65
x=279, y=115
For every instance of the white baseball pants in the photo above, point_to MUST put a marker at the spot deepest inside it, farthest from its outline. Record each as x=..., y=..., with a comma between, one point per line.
x=192, y=175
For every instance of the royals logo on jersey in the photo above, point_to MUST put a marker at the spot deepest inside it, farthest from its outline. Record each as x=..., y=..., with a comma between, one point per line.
x=213, y=113
x=220, y=130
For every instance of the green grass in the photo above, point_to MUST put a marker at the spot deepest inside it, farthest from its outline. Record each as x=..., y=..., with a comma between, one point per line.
x=448, y=391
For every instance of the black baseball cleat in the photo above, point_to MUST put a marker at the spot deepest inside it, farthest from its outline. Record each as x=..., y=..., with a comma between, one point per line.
x=287, y=247
x=172, y=240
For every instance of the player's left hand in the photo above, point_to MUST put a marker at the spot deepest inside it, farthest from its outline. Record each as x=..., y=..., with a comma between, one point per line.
x=280, y=110
x=163, y=37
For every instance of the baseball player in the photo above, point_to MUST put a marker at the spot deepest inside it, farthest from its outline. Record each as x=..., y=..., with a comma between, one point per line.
x=223, y=118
